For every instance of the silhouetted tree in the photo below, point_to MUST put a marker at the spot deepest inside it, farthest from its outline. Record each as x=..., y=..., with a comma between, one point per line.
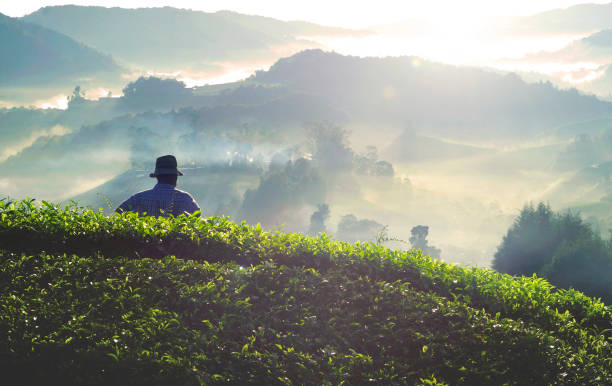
x=529, y=243
x=318, y=219
x=368, y=164
x=418, y=239
x=77, y=97
x=151, y=92
x=560, y=247
x=331, y=151
x=282, y=190
x=352, y=229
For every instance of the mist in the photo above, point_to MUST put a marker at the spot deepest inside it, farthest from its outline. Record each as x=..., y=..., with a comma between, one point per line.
x=417, y=130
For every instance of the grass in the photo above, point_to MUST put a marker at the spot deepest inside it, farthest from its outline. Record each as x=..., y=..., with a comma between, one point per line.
x=91, y=299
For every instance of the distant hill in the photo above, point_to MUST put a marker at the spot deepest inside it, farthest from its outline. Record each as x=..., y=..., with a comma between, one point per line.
x=595, y=47
x=412, y=147
x=276, y=27
x=170, y=37
x=32, y=54
x=576, y=19
x=443, y=105
x=462, y=101
x=586, y=186
x=204, y=134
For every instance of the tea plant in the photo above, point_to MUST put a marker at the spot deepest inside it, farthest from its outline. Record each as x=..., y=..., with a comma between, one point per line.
x=90, y=299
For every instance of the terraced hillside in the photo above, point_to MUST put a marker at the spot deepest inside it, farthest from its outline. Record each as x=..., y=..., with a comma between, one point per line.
x=90, y=299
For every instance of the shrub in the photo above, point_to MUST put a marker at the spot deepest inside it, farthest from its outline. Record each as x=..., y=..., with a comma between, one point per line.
x=241, y=305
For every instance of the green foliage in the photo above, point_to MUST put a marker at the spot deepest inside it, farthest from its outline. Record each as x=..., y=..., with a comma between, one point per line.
x=104, y=303
x=560, y=247
x=147, y=92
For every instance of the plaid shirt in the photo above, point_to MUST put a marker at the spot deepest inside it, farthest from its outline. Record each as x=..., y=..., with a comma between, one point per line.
x=162, y=200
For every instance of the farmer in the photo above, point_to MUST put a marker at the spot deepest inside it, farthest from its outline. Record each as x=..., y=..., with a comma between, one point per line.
x=164, y=199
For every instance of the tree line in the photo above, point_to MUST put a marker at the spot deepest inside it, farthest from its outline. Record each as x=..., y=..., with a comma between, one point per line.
x=560, y=247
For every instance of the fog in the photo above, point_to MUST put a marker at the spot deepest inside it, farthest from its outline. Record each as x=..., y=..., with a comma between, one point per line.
x=420, y=127
x=279, y=174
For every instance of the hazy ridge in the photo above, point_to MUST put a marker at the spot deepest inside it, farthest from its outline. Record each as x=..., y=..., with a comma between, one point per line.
x=165, y=37
x=33, y=54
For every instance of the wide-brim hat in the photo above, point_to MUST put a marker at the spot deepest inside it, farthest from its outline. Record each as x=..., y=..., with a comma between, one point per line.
x=166, y=165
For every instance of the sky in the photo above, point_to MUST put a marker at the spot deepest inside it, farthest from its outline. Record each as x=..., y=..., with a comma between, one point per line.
x=343, y=13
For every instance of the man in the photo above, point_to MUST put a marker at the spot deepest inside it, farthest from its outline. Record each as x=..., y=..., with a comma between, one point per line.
x=164, y=199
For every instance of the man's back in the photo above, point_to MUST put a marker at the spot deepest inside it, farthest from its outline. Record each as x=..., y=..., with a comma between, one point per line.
x=162, y=200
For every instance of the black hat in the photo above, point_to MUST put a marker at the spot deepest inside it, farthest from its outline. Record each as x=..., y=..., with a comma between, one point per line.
x=165, y=165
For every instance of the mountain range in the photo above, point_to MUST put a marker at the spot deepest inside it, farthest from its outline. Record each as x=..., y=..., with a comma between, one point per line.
x=32, y=54
x=170, y=38
x=460, y=101
x=272, y=110
x=581, y=18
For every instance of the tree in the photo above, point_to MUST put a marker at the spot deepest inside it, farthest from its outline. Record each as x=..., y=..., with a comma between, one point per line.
x=282, y=191
x=77, y=97
x=331, y=152
x=352, y=229
x=418, y=239
x=558, y=246
x=368, y=164
x=151, y=92
x=529, y=243
x=318, y=219
x=585, y=264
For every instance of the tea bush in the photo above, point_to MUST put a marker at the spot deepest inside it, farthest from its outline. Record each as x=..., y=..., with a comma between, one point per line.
x=90, y=299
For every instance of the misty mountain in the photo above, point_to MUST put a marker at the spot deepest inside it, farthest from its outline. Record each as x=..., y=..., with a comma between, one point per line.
x=410, y=146
x=234, y=106
x=460, y=101
x=582, y=18
x=170, y=38
x=595, y=47
x=203, y=135
x=594, y=127
x=20, y=127
x=590, y=184
x=586, y=150
x=32, y=54
x=268, y=113
x=274, y=27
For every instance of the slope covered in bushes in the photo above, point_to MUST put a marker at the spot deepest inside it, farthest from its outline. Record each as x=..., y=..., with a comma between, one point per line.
x=89, y=299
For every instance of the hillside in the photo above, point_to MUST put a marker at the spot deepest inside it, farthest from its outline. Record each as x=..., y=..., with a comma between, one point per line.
x=589, y=184
x=596, y=47
x=462, y=102
x=579, y=18
x=412, y=147
x=175, y=38
x=201, y=135
x=33, y=54
x=89, y=299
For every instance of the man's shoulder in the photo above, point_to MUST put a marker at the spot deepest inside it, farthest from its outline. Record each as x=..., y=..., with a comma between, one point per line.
x=141, y=194
x=134, y=200
x=183, y=193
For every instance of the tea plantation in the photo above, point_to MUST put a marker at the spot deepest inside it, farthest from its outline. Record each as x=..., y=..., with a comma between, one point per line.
x=87, y=299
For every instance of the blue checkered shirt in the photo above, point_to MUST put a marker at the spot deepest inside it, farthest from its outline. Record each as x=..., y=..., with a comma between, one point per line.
x=162, y=200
